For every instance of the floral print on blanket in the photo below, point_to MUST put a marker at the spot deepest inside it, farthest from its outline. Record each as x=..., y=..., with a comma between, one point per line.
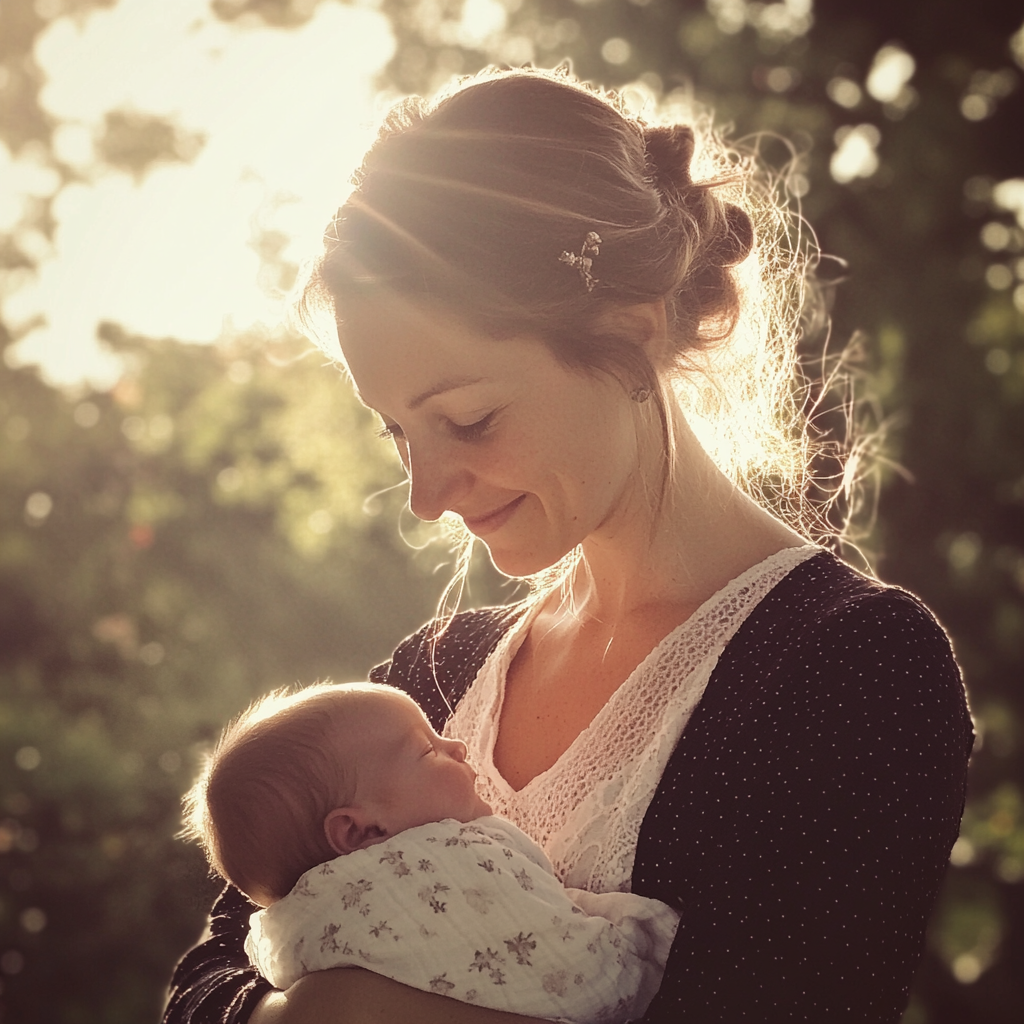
x=472, y=912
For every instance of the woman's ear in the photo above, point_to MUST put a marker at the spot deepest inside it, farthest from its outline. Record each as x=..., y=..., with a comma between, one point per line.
x=352, y=828
x=643, y=323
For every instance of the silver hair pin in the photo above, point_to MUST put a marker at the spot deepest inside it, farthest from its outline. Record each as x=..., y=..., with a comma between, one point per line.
x=585, y=260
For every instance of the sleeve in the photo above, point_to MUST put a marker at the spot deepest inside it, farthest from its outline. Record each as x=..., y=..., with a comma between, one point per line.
x=215, y=983
x=807, y=819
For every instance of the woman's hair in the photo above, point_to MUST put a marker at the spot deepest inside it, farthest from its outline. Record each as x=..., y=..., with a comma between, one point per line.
x=490, y=199
x=277, y=770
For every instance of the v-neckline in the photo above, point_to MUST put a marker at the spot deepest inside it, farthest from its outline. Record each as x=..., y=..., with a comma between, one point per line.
x=503, y=655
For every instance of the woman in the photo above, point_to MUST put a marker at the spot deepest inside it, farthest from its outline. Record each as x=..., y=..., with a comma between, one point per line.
x=545, y=309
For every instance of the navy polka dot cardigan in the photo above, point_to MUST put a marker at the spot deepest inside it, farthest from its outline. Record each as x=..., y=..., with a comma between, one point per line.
x=802, y=826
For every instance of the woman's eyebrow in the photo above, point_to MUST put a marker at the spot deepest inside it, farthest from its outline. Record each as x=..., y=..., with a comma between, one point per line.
x=448, y=384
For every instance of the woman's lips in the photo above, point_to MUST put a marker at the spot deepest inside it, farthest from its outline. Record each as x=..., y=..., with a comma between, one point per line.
x=482, y=525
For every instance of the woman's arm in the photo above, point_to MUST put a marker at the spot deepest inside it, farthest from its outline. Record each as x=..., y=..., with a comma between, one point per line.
x=215, y=983
x=354, y=996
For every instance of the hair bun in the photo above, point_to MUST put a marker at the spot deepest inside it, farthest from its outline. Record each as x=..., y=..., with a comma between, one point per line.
x=669, y=152
x=737, y=240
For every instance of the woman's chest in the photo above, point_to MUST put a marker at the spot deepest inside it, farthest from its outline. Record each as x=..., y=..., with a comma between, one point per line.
x=539, y=722
x=553, y=693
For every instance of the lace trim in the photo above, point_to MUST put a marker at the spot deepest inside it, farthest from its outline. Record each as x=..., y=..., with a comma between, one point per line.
x=586, y=810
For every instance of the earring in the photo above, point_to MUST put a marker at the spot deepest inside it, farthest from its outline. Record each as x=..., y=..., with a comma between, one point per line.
x=640, y=394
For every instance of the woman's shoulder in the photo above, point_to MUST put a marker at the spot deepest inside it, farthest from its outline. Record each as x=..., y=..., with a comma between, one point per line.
x=436, y=664
x=827, y=634
x=824, y=593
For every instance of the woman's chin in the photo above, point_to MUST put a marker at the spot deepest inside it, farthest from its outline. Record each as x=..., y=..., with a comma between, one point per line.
x=518, y=562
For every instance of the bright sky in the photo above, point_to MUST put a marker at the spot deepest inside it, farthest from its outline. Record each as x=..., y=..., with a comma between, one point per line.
x=286, y=114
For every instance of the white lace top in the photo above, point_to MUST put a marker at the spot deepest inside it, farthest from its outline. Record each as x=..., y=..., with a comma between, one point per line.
x=586, y=810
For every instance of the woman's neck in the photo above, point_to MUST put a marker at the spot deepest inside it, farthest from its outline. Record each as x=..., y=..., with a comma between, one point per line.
x=705, y=533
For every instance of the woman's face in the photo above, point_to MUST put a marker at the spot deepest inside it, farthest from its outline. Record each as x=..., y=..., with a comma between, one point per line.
x=535, y=457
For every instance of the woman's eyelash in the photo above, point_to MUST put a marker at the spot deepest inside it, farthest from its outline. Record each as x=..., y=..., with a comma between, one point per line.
x=462, y=432
x=473, y=431
x=390, y=432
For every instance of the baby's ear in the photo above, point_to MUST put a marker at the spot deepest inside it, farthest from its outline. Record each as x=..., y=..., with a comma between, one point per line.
x=352, y=828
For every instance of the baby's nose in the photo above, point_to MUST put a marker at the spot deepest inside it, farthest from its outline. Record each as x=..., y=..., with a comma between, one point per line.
x=456, y=749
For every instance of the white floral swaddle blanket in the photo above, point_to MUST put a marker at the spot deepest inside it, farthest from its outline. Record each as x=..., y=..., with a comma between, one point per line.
x=472, y=911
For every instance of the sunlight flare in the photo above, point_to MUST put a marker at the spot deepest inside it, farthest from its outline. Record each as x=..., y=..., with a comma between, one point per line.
x=282, y=118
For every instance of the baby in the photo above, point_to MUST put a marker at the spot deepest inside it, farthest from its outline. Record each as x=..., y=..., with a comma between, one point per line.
x=358, y=828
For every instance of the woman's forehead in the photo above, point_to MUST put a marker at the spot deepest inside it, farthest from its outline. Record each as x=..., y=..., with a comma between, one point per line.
x=401, y=354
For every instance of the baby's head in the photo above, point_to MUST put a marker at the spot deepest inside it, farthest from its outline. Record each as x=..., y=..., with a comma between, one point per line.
x=300, y=778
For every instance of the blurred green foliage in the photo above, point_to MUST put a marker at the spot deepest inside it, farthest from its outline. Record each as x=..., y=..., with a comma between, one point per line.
x=198, y=534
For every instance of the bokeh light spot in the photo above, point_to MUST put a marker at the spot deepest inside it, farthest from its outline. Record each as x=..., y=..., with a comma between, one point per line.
x=844, y=92
x=782, y=79
x=967, y=968
x=855, y=155
x=964, y=551
x=999, y=277
x=975, y=107
x=998, y=361
x=995, y=236
x=891, y=70
x=28, y=759
x=616, y=51
x=38, y=506
x=1009, y=195
x=481, y=19
x=33, y=920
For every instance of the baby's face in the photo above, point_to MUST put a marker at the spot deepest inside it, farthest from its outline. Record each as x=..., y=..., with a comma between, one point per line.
x=408, y=773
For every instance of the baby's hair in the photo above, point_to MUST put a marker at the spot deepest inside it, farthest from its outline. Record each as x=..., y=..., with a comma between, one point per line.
x=258, y=806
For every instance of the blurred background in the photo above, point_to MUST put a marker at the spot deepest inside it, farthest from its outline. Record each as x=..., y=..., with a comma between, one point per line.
x=184, y=484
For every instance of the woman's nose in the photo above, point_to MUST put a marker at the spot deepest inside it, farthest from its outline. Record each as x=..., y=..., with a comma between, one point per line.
x=437, y=480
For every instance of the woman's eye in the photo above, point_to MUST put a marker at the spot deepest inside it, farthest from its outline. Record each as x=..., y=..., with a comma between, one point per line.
x=473, y=431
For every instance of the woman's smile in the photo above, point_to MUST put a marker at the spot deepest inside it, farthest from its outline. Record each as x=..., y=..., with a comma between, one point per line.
x=489, y=522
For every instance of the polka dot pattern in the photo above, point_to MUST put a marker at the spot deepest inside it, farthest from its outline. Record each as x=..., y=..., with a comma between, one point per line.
x=802, y=826
x=804, y=823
